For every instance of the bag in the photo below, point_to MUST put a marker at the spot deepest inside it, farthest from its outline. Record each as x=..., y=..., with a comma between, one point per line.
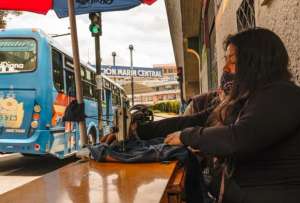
x=74, y=112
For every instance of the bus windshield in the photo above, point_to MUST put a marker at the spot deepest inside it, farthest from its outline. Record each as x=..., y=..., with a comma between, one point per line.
x=17, y=55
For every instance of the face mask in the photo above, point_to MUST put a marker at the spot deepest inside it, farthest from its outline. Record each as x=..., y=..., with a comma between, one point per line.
x=227, y=82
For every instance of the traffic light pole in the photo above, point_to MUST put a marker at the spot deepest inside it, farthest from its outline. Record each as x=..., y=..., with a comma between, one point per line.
x=98, y=72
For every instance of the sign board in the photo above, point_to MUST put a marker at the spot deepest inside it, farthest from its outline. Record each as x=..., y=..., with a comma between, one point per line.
x=125, y=71
x=89, y=6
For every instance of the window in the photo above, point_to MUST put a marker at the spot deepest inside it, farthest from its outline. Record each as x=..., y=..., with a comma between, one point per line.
x=70, y=82
x=89, y=75
x=88, y=82
x=116, y=100
x=57, y=66
x=17, y=55
x=82, y=72
x=89, y=91
x=210, y=34
x=69, y=63
x=246, y=15
x=213, y=67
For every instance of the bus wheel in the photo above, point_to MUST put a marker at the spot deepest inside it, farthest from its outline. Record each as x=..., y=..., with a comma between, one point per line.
x=91, y=139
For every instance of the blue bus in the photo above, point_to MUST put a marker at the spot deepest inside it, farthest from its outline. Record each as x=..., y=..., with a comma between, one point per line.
x=36, y=85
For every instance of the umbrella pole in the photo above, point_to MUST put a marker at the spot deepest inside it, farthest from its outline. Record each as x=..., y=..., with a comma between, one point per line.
x=71, y=10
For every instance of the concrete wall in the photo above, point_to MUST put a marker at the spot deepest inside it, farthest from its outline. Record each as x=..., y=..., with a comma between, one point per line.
x=280, y=16
x=175, y=24
x=283, y=17
x=173, y=8
x=184, y=21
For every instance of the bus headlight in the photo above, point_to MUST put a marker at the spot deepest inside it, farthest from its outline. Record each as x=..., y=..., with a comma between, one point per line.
x=34, y=124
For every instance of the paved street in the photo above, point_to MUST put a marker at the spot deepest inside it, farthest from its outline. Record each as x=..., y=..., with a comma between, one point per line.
x=16, y=170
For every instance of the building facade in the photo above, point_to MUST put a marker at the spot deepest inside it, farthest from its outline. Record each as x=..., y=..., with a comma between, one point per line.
x=160, y=91
x=152, y=91
x=280, y=16
x=151, y=85
x=199, y=27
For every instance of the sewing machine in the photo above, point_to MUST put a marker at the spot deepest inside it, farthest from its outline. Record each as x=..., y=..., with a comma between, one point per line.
x=122, y=121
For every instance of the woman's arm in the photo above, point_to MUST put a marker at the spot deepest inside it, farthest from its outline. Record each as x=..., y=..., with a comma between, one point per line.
x=272, y=115
x=166, y=126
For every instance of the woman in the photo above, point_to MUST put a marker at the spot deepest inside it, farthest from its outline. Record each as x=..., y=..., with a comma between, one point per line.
x=257, y=126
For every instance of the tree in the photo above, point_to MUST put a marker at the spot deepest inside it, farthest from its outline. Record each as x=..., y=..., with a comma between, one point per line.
x=3, y=15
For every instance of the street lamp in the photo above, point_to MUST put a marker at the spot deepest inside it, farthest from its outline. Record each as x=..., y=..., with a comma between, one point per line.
x=114, y=54
x=131, y=67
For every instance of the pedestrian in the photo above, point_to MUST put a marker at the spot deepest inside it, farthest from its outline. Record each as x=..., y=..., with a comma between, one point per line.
x=255, y=131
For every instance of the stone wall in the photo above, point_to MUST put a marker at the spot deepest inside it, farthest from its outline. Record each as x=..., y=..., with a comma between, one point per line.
x=173, y=8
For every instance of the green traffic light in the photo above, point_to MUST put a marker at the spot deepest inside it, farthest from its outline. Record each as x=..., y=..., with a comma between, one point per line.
x=95, y=29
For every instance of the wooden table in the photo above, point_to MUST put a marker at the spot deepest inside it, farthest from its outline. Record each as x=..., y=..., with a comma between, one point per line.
x=97, y=182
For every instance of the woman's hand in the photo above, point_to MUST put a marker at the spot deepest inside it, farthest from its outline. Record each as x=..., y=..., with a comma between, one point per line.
x=173, y=139
x=108, y=139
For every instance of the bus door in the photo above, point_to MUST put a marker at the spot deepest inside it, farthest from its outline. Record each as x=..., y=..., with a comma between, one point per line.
x=108, y=108
x=71, y=137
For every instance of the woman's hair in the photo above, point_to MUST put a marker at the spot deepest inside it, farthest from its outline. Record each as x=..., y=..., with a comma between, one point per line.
x=261, y=59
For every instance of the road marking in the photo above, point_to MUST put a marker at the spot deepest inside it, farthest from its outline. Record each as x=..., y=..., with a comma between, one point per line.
x=11, y=182
x=7, y=155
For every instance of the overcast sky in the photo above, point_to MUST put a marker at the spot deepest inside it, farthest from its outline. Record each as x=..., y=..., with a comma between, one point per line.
x=146, y=27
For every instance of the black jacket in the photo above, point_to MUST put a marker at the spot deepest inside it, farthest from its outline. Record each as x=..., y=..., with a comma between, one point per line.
x=204, y=104
x=264, y=142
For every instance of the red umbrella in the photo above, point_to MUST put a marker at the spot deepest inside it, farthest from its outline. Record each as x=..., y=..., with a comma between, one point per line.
x=149, y=2
x=40, y=6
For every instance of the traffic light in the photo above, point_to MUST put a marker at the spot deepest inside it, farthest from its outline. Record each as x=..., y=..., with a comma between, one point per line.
x=95, y=26
x=179, y=74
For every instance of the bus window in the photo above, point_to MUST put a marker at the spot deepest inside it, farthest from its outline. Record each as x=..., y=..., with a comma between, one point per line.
x=69, y=63
x=17, y=55
x=116, y=100
x=88, y=75
x=88, y=90
x=58, y=76
x=88, y=86
x=94, y=79
x=82, y=72
x=70, y=81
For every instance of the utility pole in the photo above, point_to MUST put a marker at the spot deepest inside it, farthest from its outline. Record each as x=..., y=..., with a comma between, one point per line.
x=95, y=28
x=131, y=67
x=79, y=97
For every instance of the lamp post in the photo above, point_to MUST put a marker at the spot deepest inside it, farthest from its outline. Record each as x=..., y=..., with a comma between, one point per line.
x=131, y=67
x=114, y=54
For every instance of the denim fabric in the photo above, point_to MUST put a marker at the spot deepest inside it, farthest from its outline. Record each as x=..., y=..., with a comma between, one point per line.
x=137, y=150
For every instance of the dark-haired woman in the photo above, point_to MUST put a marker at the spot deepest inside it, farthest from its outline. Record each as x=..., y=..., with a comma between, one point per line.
x=257, y=127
